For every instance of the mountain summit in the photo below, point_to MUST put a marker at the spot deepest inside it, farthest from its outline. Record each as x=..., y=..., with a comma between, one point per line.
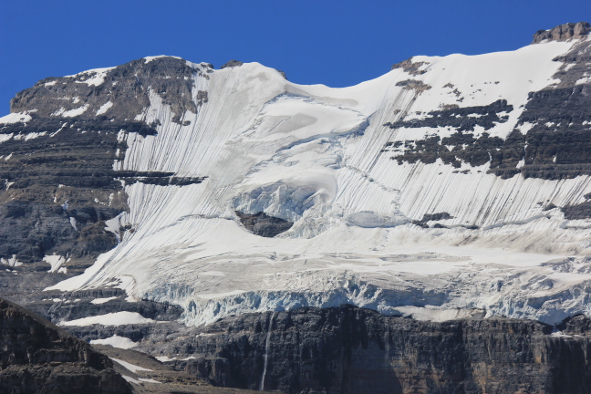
x=449, y=188
x=563, y=32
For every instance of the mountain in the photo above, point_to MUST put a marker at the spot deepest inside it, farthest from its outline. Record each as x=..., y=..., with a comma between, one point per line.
x=39, y=357
x=451, y=189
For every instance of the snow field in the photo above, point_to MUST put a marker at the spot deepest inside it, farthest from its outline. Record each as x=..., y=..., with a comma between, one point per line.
x=313, y=155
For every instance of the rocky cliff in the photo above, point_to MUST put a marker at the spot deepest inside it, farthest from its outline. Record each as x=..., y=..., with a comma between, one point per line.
x=39, y=357
x=60, y=184
x=563, y=32
x=351, y=350
x=63, y=201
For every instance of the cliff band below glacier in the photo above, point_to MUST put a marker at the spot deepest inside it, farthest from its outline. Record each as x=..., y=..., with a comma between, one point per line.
x=351, y=350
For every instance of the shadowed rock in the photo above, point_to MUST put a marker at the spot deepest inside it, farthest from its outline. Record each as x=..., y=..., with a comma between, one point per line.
x=39, y=357
x=263, y=224
x=352, y=350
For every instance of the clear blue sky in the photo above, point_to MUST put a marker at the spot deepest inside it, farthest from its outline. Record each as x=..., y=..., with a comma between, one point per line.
x=337, y=43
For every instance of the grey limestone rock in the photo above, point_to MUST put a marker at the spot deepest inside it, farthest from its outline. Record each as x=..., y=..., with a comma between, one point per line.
x=39, y=357
x=556, y=147
x=60, y=186
x=232, y=63
x=413, y=68
x=352, y=350
x=126, y=87
x=263, y=224
x=563, y=32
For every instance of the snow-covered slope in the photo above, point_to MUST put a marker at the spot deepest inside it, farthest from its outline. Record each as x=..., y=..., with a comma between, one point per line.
x=408, y=193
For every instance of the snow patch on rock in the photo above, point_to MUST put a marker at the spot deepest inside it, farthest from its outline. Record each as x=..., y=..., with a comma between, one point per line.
x=115, y=341
x=55, y=261
x=110, y=319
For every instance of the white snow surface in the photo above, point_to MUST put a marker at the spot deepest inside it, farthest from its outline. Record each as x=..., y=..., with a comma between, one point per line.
x=110, y=319
x=115, y=341
x=148, y=59
x=75, y=112
x=55, y=261
x=146, y=380
x=104, y=108
x=313, y=155
x=129, y=366
x=15, y=117
x=94, y=77
x=11, y=262
x=98, y=301
x=72, y=112
x=139, y=381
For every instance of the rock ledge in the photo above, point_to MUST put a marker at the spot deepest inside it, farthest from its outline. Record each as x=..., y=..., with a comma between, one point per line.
x=563, y=32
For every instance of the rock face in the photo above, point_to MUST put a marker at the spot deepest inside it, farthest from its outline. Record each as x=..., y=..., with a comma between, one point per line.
x=350, y=350
x=563, y=32
x=63, y=195
x=59, y=190
x=263, y=224
x=118, y=93
x=39, y=357
x=556, y=145
x=232, y=63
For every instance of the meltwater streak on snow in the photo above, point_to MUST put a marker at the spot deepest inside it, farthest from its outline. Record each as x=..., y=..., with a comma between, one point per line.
x=313, y=155
x=266, y=357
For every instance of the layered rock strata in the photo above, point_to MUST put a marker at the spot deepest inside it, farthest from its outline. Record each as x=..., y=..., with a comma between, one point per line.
x=351, y=350
x=39, y=357
x=63, y=202
x=563, y=32
x=550, y=139
x=200, y=194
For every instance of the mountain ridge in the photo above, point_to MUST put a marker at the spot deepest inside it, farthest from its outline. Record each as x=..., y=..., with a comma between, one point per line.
x=164, y=199
x=450, y=187
x=192, y=151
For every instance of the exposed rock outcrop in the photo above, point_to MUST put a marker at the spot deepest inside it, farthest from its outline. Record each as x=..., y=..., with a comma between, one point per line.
x=413, y=68
x=563, y=32
x=60, y=183
x=555, y=146
x=119, y=93
x=232, y=63
x=39, y=357
x=350, y=350
x=461, y=119
x=60, y=190
x=83, y=303
x=264, y=225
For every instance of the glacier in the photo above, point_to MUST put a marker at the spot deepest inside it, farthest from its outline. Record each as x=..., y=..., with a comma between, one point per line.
x=419, y=238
